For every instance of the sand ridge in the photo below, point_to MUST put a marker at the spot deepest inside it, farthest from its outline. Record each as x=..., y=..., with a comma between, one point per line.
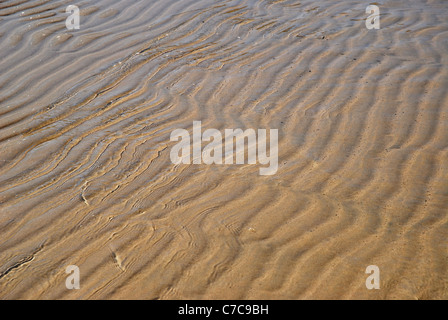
x=85, y=171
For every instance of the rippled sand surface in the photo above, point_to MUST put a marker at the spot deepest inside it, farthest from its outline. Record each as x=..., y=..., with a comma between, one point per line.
x=86, y=177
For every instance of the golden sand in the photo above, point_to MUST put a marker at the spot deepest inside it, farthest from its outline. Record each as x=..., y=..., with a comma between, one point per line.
x=85, y=171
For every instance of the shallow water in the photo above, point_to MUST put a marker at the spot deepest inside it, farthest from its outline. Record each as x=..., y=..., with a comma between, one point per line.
x=85, y=171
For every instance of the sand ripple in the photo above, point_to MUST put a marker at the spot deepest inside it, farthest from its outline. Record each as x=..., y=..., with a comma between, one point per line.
x=86, y=177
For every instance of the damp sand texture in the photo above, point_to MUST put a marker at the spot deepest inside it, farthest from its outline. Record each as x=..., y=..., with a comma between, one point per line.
x=86, y=177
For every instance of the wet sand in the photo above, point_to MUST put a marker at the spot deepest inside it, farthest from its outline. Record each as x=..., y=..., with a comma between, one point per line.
x=85, y=171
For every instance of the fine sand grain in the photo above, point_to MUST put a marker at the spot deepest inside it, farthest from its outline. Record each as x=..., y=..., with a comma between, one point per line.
x=86, y=177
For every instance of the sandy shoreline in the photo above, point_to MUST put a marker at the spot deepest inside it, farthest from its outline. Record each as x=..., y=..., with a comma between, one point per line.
x=85, y=171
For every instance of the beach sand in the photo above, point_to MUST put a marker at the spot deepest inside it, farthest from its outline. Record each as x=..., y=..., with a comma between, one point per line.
x=86, y=177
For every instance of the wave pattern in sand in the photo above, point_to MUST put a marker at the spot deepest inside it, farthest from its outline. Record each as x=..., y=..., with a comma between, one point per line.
x=85, y=171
